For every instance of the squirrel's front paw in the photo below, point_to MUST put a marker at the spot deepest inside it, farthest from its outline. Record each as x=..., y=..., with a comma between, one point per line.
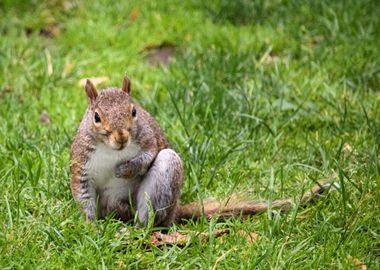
x=125, y=170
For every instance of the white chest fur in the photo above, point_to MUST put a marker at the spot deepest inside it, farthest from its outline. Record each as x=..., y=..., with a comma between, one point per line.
x=102, y=163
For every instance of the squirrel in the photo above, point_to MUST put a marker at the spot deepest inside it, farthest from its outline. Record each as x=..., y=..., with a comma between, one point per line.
x=122, y=164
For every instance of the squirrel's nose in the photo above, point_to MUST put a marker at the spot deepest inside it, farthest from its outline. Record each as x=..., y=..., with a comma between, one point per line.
x=121, y=137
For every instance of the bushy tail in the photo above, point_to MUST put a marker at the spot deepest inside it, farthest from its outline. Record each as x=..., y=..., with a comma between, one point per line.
x=233, y=207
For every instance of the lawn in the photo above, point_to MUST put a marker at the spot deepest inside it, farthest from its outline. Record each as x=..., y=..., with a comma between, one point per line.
x=261, y=98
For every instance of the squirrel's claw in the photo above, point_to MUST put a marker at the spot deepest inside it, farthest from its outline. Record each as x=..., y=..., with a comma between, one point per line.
x=120, y=170
x=125, y=170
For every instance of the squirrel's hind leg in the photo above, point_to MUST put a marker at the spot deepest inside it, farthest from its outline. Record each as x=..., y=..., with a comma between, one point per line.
x=160, y=189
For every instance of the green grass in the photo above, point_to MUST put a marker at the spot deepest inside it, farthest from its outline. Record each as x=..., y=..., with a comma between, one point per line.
x=263, y=97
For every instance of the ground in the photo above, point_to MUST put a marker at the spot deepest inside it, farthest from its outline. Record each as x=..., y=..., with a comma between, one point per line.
x=262, y=98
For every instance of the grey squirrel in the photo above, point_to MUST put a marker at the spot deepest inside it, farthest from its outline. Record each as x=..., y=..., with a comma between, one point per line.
x=122, y=163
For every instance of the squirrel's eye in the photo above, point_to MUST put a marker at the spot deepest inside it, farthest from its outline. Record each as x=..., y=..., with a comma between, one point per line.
x=133, y=112
x=97, y=118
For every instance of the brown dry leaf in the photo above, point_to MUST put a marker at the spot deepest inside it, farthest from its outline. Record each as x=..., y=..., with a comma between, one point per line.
x=359, y=265
x=134, y=14
x=180, y=239
x=175, y=238
x=94, y=80
x=217, y=233
x=44, y=118
x=220, y=232
x=50, y=31
x=347, y=149
x=251, y=237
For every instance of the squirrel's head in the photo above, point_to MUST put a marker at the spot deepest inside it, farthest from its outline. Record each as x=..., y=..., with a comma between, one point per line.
x=112, y=114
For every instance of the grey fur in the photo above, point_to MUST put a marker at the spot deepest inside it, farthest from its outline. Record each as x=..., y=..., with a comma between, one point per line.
x=157, y=188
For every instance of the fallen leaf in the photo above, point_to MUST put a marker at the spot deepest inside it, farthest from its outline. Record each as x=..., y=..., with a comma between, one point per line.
x=134, y=14
x=44, y=118
x=94, y=80
x=359, y=265
x=220, y=232
x=181, y=239
x=250, y=236
x=217, y=233
x=347, y=149
x=50, y=31
x=175, y=238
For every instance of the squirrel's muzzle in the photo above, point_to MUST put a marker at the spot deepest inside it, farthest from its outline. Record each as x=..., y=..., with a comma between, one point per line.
x=119, y=139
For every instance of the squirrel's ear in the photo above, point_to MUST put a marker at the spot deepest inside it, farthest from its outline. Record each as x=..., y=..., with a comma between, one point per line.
x=91, y=91
x=126, y=85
